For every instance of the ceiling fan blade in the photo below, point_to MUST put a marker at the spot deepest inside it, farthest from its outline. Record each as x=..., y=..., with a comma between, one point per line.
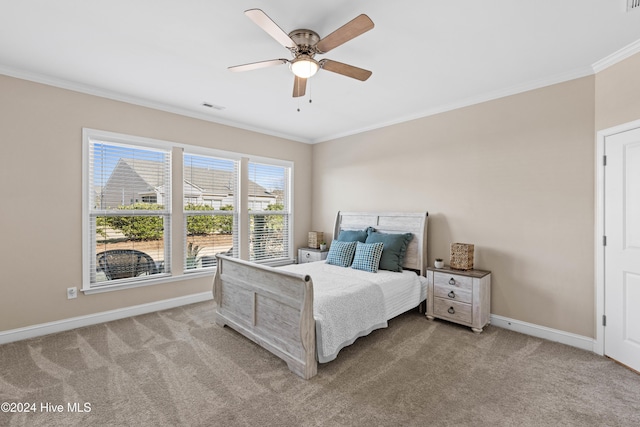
x=299, y=86
x=256, y=65
x=263, y=21
x=345, y=69
x=352, y=29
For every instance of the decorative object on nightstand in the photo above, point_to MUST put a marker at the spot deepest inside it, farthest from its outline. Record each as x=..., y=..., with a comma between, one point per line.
x=439, y=263
x=323, y=246
x=311, y=255
x=315, y=237
x=461, y=256
x=462, y=297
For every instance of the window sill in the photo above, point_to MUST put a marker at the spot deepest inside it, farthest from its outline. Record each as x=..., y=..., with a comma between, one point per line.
x=166, y=278
x=140, y=283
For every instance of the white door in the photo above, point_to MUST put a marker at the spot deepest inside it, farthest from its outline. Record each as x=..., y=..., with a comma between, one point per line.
x=622, y=250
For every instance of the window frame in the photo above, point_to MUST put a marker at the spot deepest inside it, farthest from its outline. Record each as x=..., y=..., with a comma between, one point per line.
x=88, y=236
x=286, y=213
x=176, y=209
x=213, y=154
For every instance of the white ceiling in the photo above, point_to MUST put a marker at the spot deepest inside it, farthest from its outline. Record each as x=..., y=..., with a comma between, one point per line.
x=426, y=55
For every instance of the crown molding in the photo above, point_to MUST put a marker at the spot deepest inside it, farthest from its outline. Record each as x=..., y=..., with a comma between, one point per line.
x=618, y=56
x=598, y=66
x=117, y=96
x=489, y=96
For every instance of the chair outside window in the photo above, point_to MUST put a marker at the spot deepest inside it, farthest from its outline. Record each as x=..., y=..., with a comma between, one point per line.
x=124, y=263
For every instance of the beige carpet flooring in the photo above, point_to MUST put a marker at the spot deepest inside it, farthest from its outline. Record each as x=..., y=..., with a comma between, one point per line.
x=177, y=367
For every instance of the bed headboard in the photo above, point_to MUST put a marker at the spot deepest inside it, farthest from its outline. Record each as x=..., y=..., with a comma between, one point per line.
x=392, y=222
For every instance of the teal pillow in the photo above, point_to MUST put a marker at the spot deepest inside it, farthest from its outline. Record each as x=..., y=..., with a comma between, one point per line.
x=367, y=256
x=353, y=235
x=341, y=253
x=395, y=248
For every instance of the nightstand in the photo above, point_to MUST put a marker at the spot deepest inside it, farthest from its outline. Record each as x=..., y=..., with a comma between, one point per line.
x=311, y=255
x=459, y=296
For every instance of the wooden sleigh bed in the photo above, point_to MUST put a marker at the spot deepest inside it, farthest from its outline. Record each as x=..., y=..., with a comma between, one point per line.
x=275, y=308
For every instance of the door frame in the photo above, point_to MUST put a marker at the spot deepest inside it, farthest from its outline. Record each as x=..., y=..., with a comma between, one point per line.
x=601, y=135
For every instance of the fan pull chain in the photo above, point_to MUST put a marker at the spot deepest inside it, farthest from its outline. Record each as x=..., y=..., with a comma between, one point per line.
x=308, y=92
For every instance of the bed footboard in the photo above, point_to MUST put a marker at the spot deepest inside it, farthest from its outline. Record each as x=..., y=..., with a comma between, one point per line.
x=273, y=308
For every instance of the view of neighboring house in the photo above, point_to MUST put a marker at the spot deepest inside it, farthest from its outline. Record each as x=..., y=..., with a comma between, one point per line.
x=137, y=181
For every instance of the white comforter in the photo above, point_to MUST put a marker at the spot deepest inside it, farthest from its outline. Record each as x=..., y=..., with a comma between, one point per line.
x=347, y=304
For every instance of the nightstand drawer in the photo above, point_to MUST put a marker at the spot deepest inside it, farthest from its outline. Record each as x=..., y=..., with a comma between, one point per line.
x=456, y=280
x=311, y=255
x=456, y=311
x=453, y=293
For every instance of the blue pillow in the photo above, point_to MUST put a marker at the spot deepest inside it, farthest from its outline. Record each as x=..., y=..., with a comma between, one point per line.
x=395, y=248
x=341, y=253
x=353, y=235
x=367, y=256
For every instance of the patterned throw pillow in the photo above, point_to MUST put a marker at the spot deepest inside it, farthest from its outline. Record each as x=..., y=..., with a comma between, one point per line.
x=341, y=253
x=367, y=256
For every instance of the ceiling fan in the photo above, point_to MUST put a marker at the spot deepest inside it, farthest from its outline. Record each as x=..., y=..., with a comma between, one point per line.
x=304, y=45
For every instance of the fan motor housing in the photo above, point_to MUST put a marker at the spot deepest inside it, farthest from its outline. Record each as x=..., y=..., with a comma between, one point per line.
x=306, y=40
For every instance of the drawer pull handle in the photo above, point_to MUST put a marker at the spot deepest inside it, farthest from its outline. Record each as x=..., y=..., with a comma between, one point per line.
x=308, y=255
x=451, y=310
x=452, y=281
x=451, y=294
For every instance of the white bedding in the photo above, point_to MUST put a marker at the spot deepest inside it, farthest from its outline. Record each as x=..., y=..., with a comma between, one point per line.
x=349, y=303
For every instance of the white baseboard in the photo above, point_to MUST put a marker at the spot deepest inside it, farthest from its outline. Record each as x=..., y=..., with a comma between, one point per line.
x=105, y=316
x=538, y=331
x=33, y=331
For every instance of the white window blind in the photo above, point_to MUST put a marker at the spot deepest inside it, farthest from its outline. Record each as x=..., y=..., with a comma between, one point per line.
x=210, y=193
x=232, y=204
x=269, y=212
x=129, y=211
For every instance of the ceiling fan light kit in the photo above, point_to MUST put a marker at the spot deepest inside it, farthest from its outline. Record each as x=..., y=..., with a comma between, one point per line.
x=304, y=45
x=304, y=66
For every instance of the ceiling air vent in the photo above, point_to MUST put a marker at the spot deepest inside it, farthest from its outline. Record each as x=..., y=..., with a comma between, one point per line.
x=220, y=107
x=633, y=4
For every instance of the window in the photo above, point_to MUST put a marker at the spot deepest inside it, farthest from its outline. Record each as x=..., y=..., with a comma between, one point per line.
x=231, y=204
x=129, y=210
x=269, y=212
x=210, y=199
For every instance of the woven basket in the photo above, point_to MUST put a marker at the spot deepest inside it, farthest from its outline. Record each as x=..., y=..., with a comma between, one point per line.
x=315, y=238
x=461, y=256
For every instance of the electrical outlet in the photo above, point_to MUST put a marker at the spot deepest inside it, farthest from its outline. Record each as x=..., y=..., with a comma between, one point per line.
x=72, y=293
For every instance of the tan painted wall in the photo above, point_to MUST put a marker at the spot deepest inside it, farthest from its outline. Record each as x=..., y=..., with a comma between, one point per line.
x=618, y=94
x=514, y=176
x=40, y=194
